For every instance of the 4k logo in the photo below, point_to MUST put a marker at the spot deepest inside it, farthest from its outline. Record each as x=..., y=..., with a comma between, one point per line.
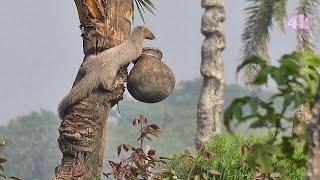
x=299, y=22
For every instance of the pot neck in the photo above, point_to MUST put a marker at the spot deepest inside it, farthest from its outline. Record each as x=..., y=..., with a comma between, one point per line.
x=154, y=52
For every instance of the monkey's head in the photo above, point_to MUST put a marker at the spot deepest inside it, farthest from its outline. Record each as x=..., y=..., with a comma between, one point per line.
x=145, y=32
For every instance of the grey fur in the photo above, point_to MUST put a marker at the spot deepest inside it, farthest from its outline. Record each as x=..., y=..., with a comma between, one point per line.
x=101, y=69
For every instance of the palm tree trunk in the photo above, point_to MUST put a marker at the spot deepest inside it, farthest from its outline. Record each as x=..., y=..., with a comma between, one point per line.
x=211, y=99
x=313, y=130
x=104, y=24
x=305, y=42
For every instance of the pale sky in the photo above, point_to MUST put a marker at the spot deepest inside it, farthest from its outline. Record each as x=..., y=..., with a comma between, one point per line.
x=41, y=47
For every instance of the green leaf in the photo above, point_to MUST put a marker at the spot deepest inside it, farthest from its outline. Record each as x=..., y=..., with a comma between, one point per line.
x=147, y=6
x=287, y=147
x=265, y=162
x=141, y=5
x=278, y=76
x=140, y=9
x=252, y=60
x=234, y=110
x=262, y=76
x=289, y=65
x=312, y=61
x=310, y=73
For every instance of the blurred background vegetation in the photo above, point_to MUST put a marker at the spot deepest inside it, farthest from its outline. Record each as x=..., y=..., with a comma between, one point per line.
x=31, y=146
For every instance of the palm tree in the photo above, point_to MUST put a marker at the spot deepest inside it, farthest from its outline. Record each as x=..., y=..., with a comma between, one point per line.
x=313, y=133
x=305, y=42
x=104, y=24
x=261, y=14
x=256, y=37
x=211, y=99
x=305, y=39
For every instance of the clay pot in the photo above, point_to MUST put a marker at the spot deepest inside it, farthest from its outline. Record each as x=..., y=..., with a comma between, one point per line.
x=150, y=80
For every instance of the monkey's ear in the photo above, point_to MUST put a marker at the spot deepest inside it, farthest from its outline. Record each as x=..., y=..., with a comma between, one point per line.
x=148, y=34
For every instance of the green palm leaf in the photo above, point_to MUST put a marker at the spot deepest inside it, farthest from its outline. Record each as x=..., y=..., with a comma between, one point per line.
x=142, y=6
x=280, y=13
x=256, y=33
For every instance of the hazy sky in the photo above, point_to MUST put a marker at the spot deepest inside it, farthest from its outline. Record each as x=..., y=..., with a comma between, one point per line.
x=41, y=47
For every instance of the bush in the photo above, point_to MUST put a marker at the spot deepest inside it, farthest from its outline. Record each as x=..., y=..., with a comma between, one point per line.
x=230, y=160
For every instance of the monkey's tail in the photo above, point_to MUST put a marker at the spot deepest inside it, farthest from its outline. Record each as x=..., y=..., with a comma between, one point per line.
x=80, y=91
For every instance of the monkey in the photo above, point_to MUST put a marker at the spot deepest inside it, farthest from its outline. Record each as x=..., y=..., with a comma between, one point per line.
x=100, y=69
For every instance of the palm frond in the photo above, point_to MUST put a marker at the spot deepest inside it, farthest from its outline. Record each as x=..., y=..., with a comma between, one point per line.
x=280, y=13
x=305, y=38
x=256, y=33
x=142, y=6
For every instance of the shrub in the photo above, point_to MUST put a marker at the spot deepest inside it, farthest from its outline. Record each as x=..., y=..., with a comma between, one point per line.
x=230, y=160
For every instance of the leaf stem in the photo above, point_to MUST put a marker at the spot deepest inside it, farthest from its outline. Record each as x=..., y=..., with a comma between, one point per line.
x=193, y=167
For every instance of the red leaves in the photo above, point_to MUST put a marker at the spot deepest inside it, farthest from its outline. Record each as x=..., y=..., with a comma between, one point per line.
x=145, y=128
x=258, y=175
x=118, y=169
x=136, y=122
x=139, y=163
x=149, y=129
x=140, y=121
x=77, y=173
x=151, y=152
x=153, y=129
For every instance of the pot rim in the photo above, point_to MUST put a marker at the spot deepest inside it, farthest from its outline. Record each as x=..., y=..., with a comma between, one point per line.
x=157, y=52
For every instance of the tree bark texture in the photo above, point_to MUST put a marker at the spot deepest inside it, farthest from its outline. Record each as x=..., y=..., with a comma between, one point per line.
x=313, y=130
x=104, y=24
x=211, y=99
x=305, y=42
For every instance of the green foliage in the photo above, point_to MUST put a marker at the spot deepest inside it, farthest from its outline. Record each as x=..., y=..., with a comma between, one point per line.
x=296, y=79
x=232, y=158
x=259, y=21
x=31, y=140
x=31, y=145
x=255, y=36
x=142, y=6
x=3, y=173
x=256, y=32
